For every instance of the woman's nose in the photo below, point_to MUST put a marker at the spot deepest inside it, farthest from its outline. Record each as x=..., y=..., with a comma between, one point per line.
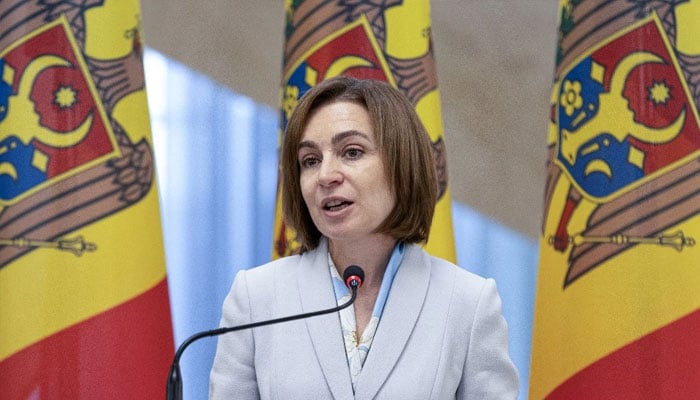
x=330, y=172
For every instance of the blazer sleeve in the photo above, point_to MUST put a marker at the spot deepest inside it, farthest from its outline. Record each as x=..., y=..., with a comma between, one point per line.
x=233, y=372
x=488, y=372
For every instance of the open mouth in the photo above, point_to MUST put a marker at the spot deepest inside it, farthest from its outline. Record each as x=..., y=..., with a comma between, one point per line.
x=336, y=205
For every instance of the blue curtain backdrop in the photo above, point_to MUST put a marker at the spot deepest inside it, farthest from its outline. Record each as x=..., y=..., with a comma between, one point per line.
x=216, y=160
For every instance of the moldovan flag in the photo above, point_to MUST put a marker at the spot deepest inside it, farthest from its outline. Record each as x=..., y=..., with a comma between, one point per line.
x=617, y=313
x=84, y=309
x=387, y=41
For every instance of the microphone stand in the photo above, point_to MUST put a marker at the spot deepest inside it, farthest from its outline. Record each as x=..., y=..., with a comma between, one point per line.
x=174, y=385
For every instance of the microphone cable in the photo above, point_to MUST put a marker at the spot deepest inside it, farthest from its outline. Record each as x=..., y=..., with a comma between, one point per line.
x=352, y=276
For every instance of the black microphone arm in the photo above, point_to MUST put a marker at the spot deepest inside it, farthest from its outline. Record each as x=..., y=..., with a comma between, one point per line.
x=352, y=276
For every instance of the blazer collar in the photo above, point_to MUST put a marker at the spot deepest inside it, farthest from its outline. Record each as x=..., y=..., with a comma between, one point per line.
x=398, y=319
x=316, y=293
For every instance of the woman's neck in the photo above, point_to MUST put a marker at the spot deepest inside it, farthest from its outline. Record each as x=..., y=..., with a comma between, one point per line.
x=372, y=255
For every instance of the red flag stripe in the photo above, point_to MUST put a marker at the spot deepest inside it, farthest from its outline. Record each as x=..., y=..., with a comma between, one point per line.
x=661, y=365
x=123, y=353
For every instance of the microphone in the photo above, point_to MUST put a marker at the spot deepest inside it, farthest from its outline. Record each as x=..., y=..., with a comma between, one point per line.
x=353, y=276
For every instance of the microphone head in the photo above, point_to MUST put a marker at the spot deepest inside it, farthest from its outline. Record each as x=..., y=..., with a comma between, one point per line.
x=353, y=276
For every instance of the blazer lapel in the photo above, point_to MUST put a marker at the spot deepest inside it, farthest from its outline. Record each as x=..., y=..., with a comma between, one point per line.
x=316, y=293
x=398, y=319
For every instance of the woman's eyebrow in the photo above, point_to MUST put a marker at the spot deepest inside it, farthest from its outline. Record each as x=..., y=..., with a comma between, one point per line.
x=337, y=139
x=307, y=144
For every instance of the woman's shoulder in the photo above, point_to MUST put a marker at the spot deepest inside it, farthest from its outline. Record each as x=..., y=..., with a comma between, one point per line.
x=284, y=268
x=441, y=267
x=265, y=272
x=451, y=278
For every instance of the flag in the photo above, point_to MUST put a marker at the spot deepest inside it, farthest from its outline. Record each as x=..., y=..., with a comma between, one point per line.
x=618, y=308
x=387, y=41
x=84, y=309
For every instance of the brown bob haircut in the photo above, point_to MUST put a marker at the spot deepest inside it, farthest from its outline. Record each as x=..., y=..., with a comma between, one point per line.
x=404, y=147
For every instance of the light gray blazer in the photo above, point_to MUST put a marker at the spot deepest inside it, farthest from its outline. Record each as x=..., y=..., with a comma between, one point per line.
x=441, y=336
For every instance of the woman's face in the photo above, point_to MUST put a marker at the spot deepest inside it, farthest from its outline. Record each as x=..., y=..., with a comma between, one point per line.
x=342, y=176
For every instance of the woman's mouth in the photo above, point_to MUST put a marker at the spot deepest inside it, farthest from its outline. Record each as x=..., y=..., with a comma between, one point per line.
x=336, y=205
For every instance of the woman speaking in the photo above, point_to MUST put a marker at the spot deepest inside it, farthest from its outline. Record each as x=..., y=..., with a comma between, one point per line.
x=359, y=187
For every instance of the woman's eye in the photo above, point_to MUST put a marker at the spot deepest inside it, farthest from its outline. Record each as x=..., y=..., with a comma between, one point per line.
x=353, y=153
x=308, y=162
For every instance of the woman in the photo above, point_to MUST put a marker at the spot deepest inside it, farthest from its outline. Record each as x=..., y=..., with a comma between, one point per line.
x=359, y=187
